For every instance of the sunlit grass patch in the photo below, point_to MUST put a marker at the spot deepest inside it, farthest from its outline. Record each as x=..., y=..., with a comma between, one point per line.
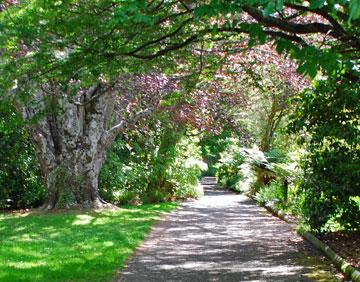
x=72, y=246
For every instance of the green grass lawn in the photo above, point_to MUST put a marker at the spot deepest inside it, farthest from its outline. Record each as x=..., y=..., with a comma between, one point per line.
x=72, y=246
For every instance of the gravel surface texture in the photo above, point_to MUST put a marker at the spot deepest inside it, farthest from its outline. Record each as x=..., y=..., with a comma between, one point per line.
x=224, y=237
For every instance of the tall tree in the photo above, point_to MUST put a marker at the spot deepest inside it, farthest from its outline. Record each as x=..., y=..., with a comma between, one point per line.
x=72, y=133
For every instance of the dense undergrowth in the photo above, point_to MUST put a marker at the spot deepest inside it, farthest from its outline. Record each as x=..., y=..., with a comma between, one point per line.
x=277, y=181
x=163, y=166
x=20, y=183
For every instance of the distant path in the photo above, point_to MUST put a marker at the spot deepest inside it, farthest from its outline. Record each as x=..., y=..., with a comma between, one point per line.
x=224, y=237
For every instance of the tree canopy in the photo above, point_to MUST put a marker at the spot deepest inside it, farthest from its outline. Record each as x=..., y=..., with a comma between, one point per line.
x=85, y=39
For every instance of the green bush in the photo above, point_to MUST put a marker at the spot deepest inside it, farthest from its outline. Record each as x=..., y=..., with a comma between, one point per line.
x=20, y=185
x=241, y=169
x=328, y=119
x=270, y=177
x=276, y=156
x=229, y=172
x=274, y=194
x=187, y=168
x=324, y=209
x=162, y=164
x=211, y=147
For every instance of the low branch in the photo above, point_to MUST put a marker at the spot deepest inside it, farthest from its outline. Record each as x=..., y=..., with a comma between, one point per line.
x=325, y=14
x=307, y=28
x=110, y=135
x=272, y=33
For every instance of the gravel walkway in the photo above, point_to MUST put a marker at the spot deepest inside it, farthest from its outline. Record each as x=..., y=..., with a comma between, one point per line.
x=224, y=237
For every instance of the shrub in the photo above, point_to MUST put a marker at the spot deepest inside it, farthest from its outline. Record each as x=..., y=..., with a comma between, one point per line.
x=162, y=165
x=273, y=194
x=270, y=177
x=327, y=116
x=211, y=147
x=228, y=167
x=20, y=185
x=241, y=169
x=276, y=156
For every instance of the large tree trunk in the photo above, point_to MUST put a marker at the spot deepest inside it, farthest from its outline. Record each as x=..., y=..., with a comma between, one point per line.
x=71, y=139
x=73, y=131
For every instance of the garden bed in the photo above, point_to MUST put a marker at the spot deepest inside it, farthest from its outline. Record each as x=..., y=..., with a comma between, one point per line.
x=346, y=244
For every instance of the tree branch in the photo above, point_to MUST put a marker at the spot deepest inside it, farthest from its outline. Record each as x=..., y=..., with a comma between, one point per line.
x=307, y=28
x=163, y=51
x=158, y=40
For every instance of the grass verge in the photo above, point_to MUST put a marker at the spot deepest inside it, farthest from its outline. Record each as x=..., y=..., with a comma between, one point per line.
x=73, y=246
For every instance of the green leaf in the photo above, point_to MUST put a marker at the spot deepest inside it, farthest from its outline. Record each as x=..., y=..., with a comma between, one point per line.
x=308, y=67
x=315, y=4
x=256, y=33
x=279, y=5
x=269, y=9
x=283, y=45
x=354, y=8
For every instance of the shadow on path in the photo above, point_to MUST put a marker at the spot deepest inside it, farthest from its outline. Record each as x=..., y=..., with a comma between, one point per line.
x=224, y=237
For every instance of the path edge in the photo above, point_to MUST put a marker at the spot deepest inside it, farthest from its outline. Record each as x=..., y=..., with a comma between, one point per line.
x=344, y=266
x=157, y=222
x=341, y=263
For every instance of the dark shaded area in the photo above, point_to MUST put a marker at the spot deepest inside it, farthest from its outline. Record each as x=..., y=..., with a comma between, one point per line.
x=224, y=237
x=346, y=244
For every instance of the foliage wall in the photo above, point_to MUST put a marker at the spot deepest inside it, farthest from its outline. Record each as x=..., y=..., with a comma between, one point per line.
x=154, y=164
x=328, y=117
x=20, y=184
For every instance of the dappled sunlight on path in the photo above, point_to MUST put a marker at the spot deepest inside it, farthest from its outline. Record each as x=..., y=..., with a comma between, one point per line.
x=224, y=237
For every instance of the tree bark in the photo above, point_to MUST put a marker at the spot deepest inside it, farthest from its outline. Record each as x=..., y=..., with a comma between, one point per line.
x=71, y=140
